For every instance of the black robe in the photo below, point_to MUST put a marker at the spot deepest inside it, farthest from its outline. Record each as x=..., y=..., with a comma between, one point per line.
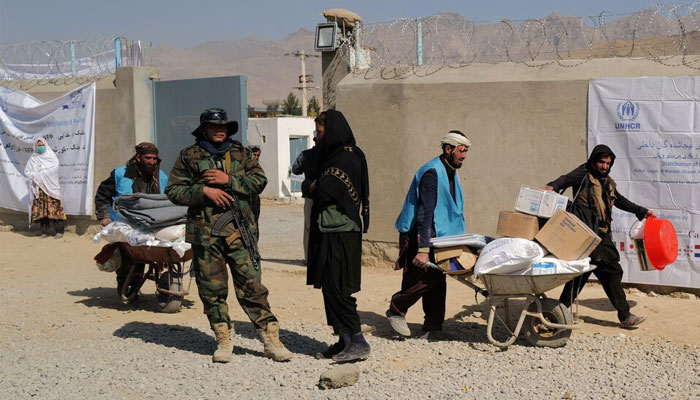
x=343, y=183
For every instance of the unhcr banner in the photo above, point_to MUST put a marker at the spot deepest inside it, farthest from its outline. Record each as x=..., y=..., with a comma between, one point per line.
x=67, y=123
x=653, y=126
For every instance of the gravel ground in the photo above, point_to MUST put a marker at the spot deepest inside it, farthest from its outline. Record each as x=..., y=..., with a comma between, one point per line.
x=66, y=336
x=147, y=360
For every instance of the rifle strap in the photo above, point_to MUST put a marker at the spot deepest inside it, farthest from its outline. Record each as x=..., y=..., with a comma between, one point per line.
x=227, y=164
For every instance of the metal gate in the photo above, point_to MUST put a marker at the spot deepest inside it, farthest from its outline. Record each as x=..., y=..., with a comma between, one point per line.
x=177, y=105
x=296, y=146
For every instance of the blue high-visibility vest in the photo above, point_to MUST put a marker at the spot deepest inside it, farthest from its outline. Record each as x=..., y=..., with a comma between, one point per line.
x=124, y=185
x=448, y=217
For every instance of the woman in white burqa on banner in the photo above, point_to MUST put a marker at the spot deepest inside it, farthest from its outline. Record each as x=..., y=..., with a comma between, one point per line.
x=45, y=205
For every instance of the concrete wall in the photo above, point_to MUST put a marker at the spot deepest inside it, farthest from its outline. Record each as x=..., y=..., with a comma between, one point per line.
x=272, y=135
x=123, y=118
x=527, y=125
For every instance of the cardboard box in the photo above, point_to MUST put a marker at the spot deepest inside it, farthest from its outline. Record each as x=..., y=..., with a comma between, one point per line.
x=517, y=225
x=567, y=237
x=443, y=253
x=467, y=259
x=463, y=255
x=542, y=203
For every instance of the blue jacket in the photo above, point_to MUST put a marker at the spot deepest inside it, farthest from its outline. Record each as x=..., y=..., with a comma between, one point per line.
x=448, y=217
x=124, y=185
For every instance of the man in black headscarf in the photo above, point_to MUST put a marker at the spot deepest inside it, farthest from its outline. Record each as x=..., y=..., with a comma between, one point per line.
x=597, y=191
x=141, y=174
x=339, y=216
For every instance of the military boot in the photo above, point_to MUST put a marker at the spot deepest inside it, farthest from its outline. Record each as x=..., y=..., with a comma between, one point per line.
x=274, y=349
x=224, y=345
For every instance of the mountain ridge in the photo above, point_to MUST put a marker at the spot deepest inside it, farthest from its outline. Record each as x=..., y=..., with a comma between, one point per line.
x=272, y=75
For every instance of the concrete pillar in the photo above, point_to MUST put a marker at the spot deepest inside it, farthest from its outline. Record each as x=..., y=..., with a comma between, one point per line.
x=135, y=106
x=333, y=69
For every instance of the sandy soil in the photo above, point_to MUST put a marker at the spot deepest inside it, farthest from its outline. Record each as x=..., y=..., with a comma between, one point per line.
x=58, y=278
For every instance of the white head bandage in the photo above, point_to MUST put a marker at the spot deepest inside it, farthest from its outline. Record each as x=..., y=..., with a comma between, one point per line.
x=455, y=139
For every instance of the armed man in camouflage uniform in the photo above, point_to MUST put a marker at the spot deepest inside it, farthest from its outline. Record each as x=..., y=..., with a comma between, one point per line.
x=199, y=181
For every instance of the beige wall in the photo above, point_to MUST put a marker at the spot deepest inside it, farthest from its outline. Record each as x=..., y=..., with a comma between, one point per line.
x=123, y=117
x=527, y=126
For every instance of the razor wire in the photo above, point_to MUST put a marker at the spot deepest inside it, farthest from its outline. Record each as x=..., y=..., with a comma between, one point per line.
x=660, y=33
x=58, y=61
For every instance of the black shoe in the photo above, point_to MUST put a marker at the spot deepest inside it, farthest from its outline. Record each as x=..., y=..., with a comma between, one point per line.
x=353, y=352
x=433, y=336
x=332, y=350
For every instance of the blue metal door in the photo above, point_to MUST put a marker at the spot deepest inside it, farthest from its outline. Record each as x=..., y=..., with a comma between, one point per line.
x=177, y=105
x=296, y=146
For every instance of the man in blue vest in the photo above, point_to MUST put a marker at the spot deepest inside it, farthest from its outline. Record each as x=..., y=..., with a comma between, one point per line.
x=141, y=174
x=433, y=208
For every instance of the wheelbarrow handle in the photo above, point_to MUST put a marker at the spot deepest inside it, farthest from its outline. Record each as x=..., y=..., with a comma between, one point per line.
x=477, y=289
x=434, y=266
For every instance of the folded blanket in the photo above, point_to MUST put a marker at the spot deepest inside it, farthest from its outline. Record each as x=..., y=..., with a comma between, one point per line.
x=156, y=217
x=142, y=201
x=150, y=210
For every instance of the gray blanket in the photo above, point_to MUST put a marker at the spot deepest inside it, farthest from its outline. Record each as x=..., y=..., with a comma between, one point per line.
x=150, y=210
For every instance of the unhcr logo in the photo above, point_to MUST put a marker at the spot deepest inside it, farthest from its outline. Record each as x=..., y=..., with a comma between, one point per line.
x=627, y=112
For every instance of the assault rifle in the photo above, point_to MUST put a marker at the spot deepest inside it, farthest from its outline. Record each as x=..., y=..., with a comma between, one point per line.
x=235, y=215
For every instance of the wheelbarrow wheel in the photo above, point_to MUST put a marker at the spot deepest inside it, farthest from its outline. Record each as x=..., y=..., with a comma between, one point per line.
x=540, y=334
x=169, y=303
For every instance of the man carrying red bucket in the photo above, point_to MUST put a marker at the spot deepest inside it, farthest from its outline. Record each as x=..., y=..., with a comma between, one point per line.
x=596, y=194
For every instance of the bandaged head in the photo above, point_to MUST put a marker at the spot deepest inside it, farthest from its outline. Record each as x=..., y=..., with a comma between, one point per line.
x=455, y=138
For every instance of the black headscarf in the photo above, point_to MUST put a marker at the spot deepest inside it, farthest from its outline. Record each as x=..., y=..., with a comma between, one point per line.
x=599, y=152
x=150, y=177
x=345, y=177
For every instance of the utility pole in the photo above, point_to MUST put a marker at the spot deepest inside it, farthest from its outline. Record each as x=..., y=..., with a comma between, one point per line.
x=303, y=78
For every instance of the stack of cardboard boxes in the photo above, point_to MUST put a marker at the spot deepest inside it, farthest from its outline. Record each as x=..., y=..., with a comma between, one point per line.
x=562, y=234
x=539, y=215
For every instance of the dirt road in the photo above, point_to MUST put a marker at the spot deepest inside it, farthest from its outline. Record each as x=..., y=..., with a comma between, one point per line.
x=52, y=297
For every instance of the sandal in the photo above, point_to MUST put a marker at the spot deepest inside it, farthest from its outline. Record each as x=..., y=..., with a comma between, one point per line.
x=632, y=321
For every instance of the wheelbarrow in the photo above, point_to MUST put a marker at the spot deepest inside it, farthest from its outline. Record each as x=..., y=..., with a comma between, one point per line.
x=165, y=267
x=546, y=322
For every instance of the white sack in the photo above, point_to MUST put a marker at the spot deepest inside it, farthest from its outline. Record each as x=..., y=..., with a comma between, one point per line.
x=507, y=255
x=171, y=233
x=551, y=265
x=136, y=235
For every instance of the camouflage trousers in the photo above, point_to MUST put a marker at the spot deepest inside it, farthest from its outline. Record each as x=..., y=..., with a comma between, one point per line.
x=211, y=272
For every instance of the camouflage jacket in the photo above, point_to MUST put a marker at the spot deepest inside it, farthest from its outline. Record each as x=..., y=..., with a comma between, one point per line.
x=186, y=187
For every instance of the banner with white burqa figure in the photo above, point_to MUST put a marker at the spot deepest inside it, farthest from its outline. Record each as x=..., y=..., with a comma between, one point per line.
x=653, y=126
x=67, y=123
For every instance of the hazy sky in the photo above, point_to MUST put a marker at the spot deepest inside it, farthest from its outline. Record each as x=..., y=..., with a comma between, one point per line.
x=183, y=23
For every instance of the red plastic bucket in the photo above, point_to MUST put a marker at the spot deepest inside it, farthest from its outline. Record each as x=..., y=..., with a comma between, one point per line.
x=660, y=242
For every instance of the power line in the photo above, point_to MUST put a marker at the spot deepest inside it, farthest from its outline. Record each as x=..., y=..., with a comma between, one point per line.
x=303, y=78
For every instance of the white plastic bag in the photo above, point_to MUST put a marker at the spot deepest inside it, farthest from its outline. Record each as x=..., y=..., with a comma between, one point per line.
x=136, y=235
x=507, y=255
x=120, y=231
x=171, y=233
x=551, y=265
